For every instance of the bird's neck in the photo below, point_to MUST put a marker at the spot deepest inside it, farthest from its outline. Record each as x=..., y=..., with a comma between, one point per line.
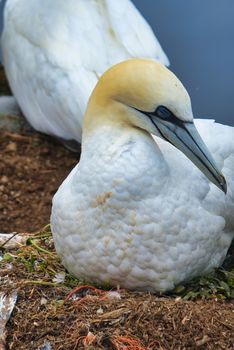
x=122, y=151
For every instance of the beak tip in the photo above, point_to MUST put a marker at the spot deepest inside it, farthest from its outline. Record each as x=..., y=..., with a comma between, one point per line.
x=223, y=185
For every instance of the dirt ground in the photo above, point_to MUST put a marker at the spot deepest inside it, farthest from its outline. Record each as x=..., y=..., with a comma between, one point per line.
x=45, y=315
x=31, y=168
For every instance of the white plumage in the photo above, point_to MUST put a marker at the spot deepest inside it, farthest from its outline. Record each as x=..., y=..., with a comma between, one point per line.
x=135, y=211
x=55, y=50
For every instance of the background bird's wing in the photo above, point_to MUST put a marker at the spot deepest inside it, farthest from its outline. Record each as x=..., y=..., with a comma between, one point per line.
x=50, y=56
x=54, y=55
x=133, y=32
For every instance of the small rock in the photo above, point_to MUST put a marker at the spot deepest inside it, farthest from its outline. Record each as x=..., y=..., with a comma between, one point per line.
x=203, y=341
x=12, y=240
x=8, y=266
x=100, y=311
x=113, y=295
x=45, y=346
x=4, y=179
x=11, y=147
x=44, y=301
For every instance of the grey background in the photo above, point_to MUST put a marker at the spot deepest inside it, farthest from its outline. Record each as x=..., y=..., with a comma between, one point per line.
x=198, y=37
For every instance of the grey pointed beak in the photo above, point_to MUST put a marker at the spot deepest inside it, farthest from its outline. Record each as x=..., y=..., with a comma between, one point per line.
x=186, y=138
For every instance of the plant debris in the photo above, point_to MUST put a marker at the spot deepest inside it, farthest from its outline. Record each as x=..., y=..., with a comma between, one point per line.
x=12, y=240
x=7, y=304
x=55, y=308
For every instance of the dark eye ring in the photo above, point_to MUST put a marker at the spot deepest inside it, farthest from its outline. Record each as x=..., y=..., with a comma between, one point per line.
x=164, y=113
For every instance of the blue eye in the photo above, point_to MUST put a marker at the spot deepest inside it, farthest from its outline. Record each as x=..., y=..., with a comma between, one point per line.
x=163, y=113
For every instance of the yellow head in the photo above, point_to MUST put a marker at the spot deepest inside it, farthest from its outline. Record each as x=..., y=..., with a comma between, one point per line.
x=143, y=94
x=139, y=83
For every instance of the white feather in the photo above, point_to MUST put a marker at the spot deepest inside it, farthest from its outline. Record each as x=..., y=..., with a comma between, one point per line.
x=142, y=215
x=54, y=52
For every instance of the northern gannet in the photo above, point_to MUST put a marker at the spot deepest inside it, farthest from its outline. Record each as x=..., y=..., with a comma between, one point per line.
x=136, y=211
x=54, y=51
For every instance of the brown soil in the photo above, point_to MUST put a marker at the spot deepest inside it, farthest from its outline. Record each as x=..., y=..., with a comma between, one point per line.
x=154, y=323
x=32, y=166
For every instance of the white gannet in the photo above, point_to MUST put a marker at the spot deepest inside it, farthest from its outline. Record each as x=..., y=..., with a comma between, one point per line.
x=135, y=211
x=55, y=51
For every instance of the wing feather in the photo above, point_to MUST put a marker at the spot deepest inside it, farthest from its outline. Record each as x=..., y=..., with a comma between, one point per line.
x=133, y=31
x=55, y=51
